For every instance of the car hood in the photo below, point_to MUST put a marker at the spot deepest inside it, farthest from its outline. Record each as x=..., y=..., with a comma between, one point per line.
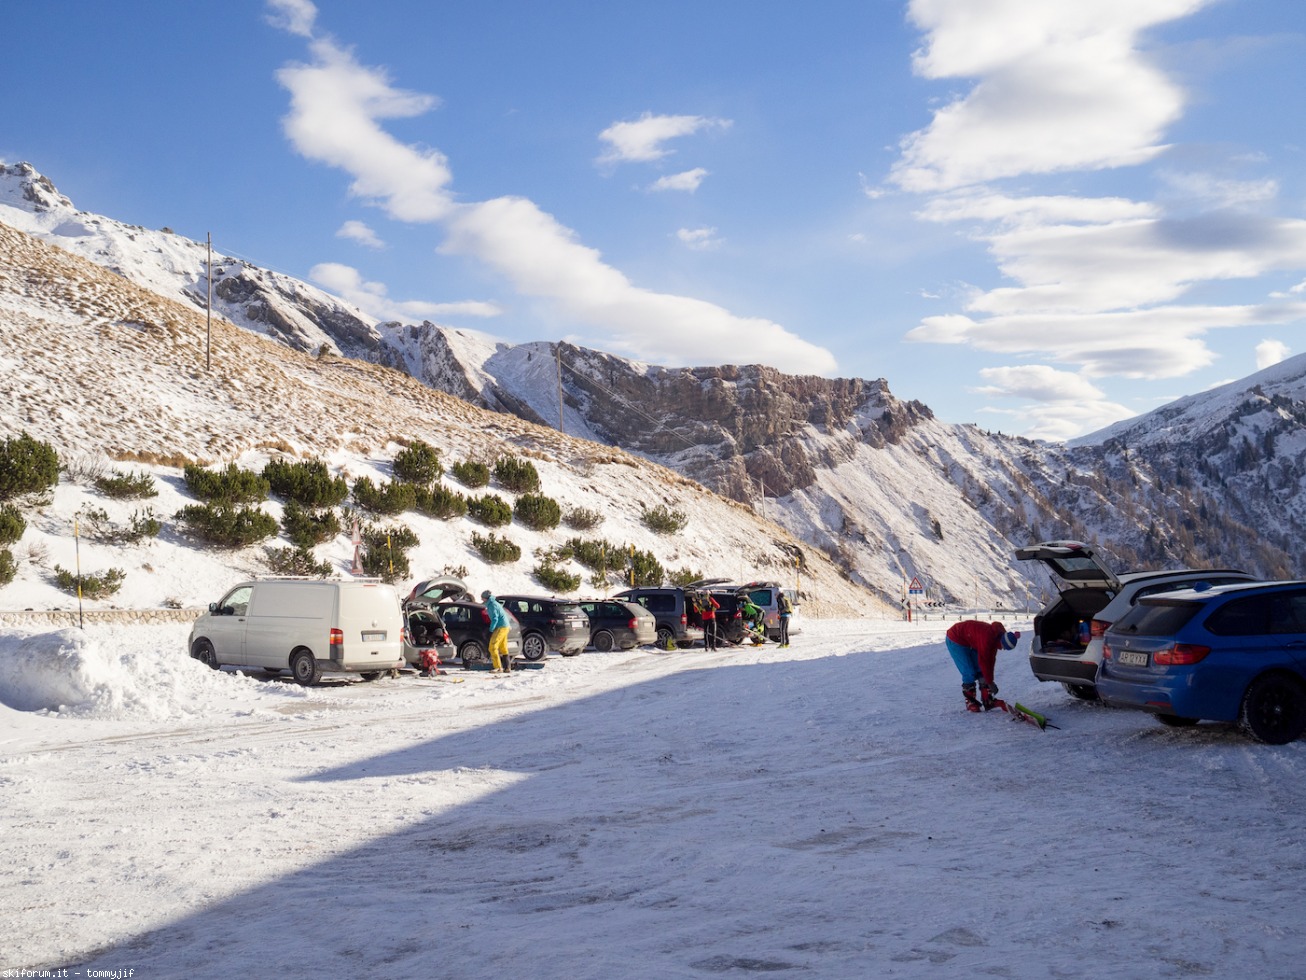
x=1072, y=562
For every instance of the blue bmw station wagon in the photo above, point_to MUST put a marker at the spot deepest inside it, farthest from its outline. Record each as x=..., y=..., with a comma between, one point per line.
x=1228, y=653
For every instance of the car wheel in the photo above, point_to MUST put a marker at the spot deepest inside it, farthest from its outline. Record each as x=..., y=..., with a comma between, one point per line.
x=603, y=641
x=1083, y=692
x=1174, y=721
x=532, y=647
x=203, y=652
x=1274, y=709
x=304, y=666
x=666, y=638
x=471, y=653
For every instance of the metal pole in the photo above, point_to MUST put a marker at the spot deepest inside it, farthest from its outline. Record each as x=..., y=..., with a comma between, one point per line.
x=558, y=353
x=77, y=552
x=208, y=319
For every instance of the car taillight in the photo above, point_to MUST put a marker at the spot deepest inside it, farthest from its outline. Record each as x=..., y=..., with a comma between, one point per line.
x=1180, y=654
x=632, y=624
x=337, y=638
x=1098, y=627
x=485, y=616
x=684, y=619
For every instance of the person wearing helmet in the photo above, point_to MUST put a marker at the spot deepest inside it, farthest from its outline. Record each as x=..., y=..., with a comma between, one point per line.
x=974, y=646
x=498, y=633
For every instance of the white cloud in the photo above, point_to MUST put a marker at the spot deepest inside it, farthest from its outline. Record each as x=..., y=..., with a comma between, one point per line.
x=1218, y=192
x=1038, y=382
x=372, y=297
x=1062, y=85
x=1271, y=352
x=686, y=181
x=1058, y=421
x=336, y=109
x=699, y=239
x=640, y=141
x=361, y=233
x=295, y=16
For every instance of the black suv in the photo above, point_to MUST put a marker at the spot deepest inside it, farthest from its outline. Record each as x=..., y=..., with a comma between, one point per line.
x=547, y=624
x=671, y=613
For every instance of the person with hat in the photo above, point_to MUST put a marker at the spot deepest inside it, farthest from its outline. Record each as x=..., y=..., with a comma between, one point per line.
x=498, y=633
x=974, y=646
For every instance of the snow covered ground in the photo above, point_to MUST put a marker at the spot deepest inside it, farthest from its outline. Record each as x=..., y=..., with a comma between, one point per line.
x=827, y=810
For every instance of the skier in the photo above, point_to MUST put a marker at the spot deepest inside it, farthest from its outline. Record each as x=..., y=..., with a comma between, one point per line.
x=786, y=611
x=707, y=609
x=974, y=646
x=498, y=633
x=752, y=616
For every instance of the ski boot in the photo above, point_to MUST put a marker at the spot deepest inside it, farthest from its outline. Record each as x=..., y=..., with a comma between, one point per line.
x=968, y=692
x=988, y=695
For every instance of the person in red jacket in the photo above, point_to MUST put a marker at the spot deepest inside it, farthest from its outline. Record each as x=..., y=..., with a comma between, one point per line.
x=974, y=646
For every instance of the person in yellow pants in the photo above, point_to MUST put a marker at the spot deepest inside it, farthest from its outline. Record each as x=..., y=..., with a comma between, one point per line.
x=498, y=633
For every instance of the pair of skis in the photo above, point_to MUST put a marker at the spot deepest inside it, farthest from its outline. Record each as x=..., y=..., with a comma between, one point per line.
x=1019, y=712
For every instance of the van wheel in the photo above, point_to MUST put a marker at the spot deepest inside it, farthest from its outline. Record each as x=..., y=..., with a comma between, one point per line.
x=203, y=652
x=666, y=638
x=304, y=666
x=1274, y=709
x=1083, y=692
x=532, y=647
x=603, y=641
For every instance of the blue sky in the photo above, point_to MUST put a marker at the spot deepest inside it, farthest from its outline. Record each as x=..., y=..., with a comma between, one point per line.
x=1036, y=215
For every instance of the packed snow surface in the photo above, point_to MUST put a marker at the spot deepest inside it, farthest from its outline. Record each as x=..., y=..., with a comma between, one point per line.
x=825, y=810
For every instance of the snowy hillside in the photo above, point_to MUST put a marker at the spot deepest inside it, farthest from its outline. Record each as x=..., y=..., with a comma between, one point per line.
x=113, y=376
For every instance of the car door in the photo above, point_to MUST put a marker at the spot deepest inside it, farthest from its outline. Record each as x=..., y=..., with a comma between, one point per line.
x=226, y=626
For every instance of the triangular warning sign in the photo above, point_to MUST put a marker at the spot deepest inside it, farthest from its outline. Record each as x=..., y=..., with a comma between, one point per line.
x=916, y=586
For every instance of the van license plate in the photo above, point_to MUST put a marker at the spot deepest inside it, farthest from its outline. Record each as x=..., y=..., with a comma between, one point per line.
x=373, y=637
x=1133, y=658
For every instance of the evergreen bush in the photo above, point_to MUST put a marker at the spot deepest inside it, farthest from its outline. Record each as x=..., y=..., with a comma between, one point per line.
x=494, y=549
x=663, y=520
x=307, y=482
x=418, y=463
x=471, y=474
x=227, y=526
x=684, y=576
x=227, y=486
x=441, y=503
x=95, y=586
x=538, y=512
x=296, y=561
x=126, y=486
x=8, y=567
x=517, y=475
x=26, y=466
x=491, y=510
x=384, y=552
x=597, y=555
x=582, y=519
x=390, y=498
x=644, y=568
x=12, y=524
x=143, y=524
x=305, y=527
x=555, y=579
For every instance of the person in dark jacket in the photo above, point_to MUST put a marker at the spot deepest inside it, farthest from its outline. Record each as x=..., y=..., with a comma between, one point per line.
x=707, y=607
x=974, y=646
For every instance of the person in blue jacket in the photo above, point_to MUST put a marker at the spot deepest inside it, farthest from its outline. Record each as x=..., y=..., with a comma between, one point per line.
x=498, y=633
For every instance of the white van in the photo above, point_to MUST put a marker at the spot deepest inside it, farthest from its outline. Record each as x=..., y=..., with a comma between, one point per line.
x=309, y=627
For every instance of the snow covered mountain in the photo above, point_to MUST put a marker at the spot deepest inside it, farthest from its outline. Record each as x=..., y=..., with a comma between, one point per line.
x=882, y=487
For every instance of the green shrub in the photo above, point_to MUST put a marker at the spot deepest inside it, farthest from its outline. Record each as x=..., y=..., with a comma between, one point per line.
x=305, y=528
x=441, y=503
x=296, y=561
x=227, y=526
x=385, y=551
x=684, y=576
x=126, y=486
x=26, y=466
x=97, y=586
x=98, y=527
x=306, y=482
x=582, y=519
x=227, y=486
x=555, y=579
x=471, y=474
x=494, y=549
x=418, y=463
x=644, y=569
x=391, y=498
x=537, y=512
x=662, y=520
x=491, y=510
x=597, y=555
x=12, y=524
x=517, y=475
x=8, y=567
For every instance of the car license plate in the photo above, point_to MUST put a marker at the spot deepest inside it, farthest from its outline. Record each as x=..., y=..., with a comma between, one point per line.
x=1133, y=658
x=373, y=637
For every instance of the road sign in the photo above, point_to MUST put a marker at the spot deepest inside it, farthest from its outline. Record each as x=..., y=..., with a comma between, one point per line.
x=915, y=588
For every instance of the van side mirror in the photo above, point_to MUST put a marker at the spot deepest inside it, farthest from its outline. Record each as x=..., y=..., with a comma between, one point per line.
x=213, y=608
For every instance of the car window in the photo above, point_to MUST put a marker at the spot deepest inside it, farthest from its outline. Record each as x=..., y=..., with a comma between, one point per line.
x=1288, y=612
x=762, y=597
x=1157, y=618
x=1249, y=616
x=237, y=600
x=516, y=605
x=454, y=615
x=659, y=603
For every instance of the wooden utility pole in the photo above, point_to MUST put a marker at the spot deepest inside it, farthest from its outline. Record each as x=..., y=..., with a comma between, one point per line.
x=208, y=319
x=558, y=352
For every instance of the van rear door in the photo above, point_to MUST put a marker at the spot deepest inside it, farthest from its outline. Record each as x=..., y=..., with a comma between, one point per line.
x=371, y=624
